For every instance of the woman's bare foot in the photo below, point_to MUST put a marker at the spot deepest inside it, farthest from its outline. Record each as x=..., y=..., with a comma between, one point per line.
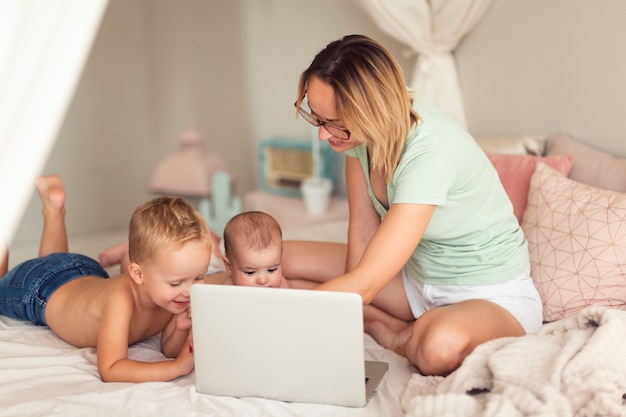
x=52, y=194
x=389, y=338
x=113, y=255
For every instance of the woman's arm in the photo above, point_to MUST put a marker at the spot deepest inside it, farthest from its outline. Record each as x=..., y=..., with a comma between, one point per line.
x=376, y=251
x=363, y=218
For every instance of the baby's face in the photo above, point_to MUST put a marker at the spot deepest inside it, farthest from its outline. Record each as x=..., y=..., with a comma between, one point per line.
x=258, y=268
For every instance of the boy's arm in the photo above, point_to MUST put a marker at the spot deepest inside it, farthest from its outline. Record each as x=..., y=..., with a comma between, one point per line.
x=112, y=349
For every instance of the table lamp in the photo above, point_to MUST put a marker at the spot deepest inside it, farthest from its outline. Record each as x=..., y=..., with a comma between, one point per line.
x=188, y=171
x=200, y=176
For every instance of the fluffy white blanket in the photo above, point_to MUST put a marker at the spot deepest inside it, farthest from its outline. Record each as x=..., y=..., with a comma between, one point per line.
x=572, y=367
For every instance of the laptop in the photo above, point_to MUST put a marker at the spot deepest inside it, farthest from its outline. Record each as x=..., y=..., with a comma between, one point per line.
x=282, y=344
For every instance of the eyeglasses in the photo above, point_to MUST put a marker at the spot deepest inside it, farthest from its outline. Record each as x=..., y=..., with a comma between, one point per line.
x=339, y=133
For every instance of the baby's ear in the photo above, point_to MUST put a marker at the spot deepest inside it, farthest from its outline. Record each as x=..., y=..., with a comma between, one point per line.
x=135, y=272
x=227, y=264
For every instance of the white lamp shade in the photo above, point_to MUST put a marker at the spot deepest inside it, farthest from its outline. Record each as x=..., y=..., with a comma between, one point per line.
x=188, y=171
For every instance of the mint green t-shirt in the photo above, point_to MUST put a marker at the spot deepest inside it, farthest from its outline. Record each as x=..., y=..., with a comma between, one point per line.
x=473, y=237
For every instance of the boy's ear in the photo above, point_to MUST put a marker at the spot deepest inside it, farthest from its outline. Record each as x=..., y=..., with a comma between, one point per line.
x=227, y=264
x=135, y=272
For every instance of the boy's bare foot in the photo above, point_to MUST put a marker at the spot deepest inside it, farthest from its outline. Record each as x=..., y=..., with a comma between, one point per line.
x=4, y=261
x=52, y=194
x=388, y=338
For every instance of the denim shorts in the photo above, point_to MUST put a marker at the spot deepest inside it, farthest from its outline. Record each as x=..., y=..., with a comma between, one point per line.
x=26, y=288
x=518, y=296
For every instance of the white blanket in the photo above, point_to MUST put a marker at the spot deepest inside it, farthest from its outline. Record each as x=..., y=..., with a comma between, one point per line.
x=572, y=367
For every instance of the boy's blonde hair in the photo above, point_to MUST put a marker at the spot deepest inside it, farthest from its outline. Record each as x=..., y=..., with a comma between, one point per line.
x=371, y=96
x=251, y=230
x=164, y=222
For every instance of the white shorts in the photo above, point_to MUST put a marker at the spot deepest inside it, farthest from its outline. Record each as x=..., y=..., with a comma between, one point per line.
x=518, y=296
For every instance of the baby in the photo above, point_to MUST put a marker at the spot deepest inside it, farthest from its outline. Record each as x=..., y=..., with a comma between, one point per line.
x=253, y=249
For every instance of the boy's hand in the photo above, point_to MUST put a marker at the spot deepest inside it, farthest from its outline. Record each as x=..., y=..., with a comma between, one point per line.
x=185, y=358
x=183, y=320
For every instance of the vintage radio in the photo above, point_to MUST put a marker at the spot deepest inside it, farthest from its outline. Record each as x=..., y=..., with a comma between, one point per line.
x=284, y=163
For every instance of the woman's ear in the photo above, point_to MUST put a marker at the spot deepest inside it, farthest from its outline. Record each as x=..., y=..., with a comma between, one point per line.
x=135, y=272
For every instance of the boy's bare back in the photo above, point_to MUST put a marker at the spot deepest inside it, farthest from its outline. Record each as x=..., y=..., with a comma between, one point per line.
x=75, y=310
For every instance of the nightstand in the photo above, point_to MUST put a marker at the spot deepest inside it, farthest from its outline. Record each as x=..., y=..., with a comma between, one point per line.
x=290, y=212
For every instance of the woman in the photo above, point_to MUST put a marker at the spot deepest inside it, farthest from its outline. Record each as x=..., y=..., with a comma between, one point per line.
x=432, y=236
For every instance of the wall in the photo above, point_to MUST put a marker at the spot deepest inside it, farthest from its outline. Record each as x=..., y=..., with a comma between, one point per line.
x=543, y=66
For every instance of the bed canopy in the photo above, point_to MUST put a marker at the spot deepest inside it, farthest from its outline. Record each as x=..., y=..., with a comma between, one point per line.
x=432, y=29
x=43, y=47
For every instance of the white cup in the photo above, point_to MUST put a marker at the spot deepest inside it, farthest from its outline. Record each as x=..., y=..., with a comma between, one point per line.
x=316, y=194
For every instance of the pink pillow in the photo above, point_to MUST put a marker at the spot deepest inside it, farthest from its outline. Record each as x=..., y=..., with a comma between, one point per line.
x=515, y=172
x=577, y=244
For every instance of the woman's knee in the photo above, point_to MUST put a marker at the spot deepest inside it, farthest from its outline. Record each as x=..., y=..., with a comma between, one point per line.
x=435, y=348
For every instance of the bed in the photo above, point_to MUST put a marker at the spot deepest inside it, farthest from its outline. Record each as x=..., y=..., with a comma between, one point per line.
x=573, y=215
x=42, y=375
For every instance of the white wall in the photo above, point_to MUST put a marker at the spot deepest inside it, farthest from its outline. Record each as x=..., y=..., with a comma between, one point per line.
x=543, y=66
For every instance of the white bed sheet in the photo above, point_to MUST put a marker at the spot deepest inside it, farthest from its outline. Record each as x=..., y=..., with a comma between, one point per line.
x=40, y=375
x=43, y=376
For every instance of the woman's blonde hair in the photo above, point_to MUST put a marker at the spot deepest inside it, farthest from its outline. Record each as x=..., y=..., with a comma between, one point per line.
x=164, y=222
x=371, y=96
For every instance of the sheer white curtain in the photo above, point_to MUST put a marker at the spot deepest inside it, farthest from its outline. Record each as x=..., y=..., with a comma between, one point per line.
x=43, y=46
x=432, y=29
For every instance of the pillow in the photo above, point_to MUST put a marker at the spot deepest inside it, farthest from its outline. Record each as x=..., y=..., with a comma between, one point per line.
x=591, y=166
x=520, y=145
x=576, y=237
x=515, y=172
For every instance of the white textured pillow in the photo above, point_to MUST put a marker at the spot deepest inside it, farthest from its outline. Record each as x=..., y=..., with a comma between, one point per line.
x=577, y=242
x=520, y=144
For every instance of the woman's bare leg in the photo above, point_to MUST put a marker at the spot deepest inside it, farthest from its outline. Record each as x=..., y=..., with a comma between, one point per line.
x=115, y=255
x=52, y=195
x=313, y=261
x=440, y=339
x=118, y=254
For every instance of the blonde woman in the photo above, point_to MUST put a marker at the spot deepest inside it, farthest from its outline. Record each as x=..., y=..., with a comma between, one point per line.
x=432, y=238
